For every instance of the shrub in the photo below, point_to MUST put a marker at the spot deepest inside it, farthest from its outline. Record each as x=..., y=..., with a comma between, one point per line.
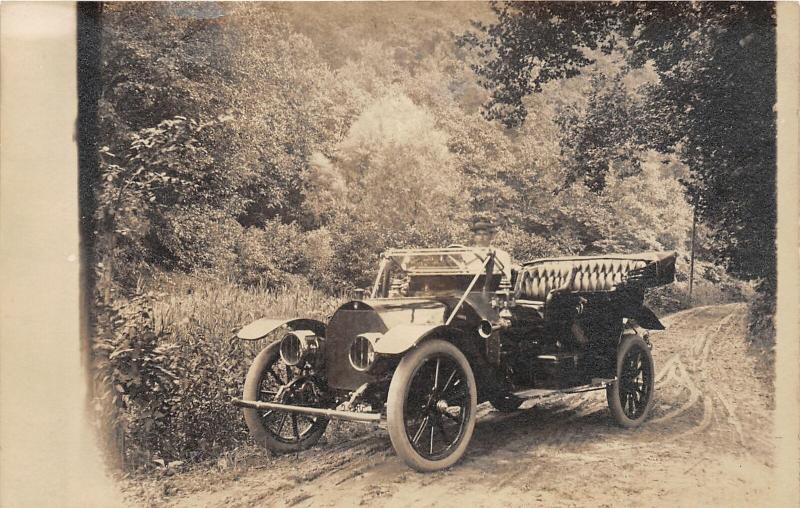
x=169, y=365
x=319, y=251
x=138, y=373
x=675, y=297
x=524, y=246
x=196, y=238
x=267, y=257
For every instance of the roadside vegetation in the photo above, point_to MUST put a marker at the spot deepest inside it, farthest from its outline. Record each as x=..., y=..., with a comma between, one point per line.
x=169, y=364
x=256, y=158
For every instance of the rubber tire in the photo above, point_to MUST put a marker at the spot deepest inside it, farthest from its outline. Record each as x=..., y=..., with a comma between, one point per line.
x=612, y=393
x=398, y=390
x=251, y=417
x=506, y=403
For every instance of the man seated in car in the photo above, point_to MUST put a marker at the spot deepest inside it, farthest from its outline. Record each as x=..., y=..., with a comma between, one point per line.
x=483, y=233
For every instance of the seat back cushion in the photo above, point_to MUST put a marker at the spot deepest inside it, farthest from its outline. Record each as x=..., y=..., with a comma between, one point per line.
x=537, y=279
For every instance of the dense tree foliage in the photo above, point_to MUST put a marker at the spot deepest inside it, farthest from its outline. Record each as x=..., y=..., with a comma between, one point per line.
x=603, y=137
x=712, y=103
x=259, y=145
x=205, y=133
x=716, y=101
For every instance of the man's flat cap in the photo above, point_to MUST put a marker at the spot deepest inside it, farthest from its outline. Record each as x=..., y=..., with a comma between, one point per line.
x=482, y=225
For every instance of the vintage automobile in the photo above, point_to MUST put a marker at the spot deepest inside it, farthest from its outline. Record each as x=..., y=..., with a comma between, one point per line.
x=443, y=330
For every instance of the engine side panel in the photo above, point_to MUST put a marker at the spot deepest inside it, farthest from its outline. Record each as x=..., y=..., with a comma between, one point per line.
x=343, y=328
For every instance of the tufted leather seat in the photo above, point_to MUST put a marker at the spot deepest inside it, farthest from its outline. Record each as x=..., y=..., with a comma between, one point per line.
x=583, y=274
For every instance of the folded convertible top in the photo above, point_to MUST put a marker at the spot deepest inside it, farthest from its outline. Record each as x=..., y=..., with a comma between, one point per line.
x=596, y=273
x=650, y=257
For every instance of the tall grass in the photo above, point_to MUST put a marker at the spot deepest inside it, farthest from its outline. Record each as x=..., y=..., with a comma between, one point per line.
x=219, y=307
x=194, y=361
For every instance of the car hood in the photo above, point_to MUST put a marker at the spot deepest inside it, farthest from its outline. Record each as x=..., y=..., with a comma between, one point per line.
x=396, y=311
x=371, y=316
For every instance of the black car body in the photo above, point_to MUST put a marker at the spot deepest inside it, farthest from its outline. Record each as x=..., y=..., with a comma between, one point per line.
x=443, y=330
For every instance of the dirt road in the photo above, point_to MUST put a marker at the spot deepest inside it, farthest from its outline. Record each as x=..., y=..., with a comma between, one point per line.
x=708, y=442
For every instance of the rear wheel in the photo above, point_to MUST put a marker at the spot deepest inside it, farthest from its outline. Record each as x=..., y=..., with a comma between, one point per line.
x=271, y=380
x=431, y=406
x=630, y=397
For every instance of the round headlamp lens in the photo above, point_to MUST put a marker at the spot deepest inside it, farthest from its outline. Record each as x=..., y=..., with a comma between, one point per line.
x=362, y=354
x=291, y=349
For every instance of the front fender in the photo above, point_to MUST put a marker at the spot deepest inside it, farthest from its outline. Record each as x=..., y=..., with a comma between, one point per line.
x=262, y=327
x=401, y=338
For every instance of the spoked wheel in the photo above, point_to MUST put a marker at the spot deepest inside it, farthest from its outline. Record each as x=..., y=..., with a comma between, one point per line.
x=431, y=406
x=630, y=398
x=271, y=380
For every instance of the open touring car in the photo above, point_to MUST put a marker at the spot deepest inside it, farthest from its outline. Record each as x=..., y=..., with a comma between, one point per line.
x=443, y=330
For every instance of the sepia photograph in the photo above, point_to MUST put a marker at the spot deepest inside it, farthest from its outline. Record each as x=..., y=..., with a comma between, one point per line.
x=333, y=254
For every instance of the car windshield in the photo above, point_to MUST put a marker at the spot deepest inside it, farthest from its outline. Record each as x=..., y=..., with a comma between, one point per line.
x=427, y=272
x=449, y=261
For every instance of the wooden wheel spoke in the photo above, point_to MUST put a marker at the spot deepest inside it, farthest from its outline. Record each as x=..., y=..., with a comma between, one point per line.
x=295, y=430
x=282, y=423
x=421, y=430
x=449, y=380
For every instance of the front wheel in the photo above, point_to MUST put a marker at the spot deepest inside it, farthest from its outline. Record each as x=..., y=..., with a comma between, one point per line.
x=271, y=380
x=431, y=406
x=630, y=397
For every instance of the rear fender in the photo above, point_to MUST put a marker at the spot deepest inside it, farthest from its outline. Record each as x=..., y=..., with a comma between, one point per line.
x=262, y=327
x=644, y=317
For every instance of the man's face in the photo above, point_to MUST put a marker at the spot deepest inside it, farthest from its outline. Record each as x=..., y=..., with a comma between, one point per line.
x=482, y=238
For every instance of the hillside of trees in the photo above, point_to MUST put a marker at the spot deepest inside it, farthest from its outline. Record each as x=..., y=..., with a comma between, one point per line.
x=252, y=154
x=253, y=142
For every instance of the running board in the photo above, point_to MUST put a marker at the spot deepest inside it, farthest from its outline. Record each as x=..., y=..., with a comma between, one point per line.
x=352, y=416
x=538, y=393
